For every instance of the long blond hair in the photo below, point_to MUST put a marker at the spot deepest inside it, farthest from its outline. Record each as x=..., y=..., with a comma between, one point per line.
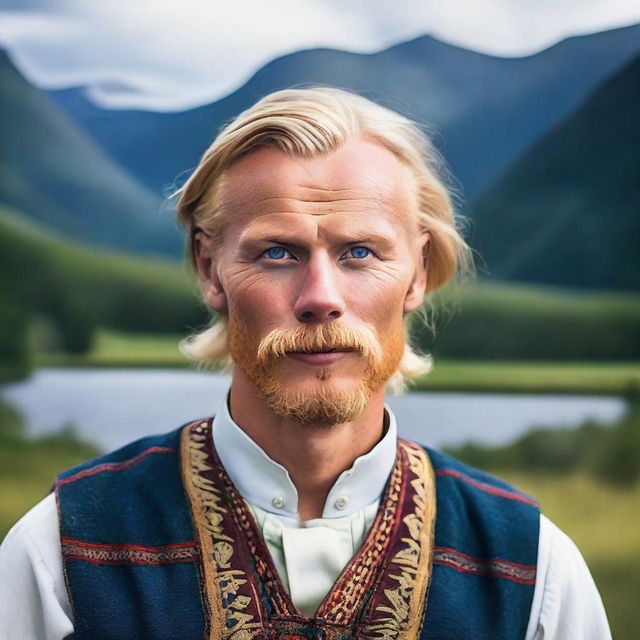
x=308, y=123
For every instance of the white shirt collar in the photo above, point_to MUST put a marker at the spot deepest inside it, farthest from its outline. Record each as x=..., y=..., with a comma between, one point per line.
x=266, y=484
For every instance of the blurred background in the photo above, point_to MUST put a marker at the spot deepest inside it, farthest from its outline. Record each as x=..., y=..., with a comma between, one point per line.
x=106, y=107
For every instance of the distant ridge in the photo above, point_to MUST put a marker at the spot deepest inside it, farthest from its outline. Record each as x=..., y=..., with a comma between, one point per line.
x=569, y=211
x=54, y=173
x=486, y=110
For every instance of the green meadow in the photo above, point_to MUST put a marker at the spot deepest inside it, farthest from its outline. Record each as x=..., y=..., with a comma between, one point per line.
x=115, y=349
x=507, y=376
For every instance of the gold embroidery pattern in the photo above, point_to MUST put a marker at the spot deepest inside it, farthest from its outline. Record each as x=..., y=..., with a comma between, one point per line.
x=381, y=593
x=261, y=557
x=223, y=583
x=351, y=586
x=405, y=604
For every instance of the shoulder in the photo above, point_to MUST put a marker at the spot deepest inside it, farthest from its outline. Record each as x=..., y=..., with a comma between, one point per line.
x=483, y=525
x=34, y=541
x=37, y=527
x=483, y=522
x=566, y=601
x=124, y=457
x=453, y=475
x=33, y=598
x=125, y=495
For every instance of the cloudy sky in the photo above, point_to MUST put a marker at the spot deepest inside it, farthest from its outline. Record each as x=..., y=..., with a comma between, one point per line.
x=170, y=55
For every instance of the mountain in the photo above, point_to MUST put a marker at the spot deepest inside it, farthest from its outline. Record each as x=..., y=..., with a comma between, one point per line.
x=569, y=211
x=54, y=173
x=485, y=110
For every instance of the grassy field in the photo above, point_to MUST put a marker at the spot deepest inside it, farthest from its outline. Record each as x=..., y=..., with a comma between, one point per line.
x=112, y=349
x=615, y=378
x=611, y=378
x=28, y=467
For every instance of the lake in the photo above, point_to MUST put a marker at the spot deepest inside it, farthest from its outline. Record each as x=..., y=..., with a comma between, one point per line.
x=113, y=406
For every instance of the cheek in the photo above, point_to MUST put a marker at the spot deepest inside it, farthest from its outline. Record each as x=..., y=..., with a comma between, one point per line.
x=259, y=304
x=379, y=304
x=392, y=335
x=382, y=311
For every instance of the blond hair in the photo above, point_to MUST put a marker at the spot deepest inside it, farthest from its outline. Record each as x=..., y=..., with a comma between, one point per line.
x=308, y=123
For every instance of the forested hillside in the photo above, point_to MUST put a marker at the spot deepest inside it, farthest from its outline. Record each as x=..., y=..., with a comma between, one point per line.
x=569, y=212
x=48, y=281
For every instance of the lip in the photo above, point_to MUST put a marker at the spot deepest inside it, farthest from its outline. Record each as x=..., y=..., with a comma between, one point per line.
x=319, y=357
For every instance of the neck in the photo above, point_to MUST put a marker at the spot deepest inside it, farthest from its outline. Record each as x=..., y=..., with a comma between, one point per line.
x=314, y=454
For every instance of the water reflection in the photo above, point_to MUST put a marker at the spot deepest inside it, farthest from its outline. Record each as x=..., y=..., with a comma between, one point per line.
x=113, y=406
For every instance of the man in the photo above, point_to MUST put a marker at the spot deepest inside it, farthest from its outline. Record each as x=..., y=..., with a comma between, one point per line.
x=317, y=223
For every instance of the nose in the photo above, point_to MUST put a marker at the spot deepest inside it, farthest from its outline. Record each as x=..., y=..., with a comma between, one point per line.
x=319, y=298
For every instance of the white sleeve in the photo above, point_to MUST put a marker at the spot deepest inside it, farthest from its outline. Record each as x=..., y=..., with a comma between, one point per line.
x=566, y=603
x=33, y=598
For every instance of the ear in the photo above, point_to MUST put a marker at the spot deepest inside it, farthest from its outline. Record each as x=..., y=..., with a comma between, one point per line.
x=207, y=270
x=415, y=293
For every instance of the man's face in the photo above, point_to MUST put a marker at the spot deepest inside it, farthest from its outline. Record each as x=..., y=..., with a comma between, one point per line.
x=320, y=260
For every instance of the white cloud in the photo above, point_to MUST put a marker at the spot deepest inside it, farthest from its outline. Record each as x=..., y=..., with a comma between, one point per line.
x=169, y=55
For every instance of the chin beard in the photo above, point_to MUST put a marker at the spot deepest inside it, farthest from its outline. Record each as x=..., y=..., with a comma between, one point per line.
x=326, y=403
x=322, y=407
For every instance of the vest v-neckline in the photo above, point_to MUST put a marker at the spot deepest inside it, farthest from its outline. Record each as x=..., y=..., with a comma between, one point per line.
x=381, y=593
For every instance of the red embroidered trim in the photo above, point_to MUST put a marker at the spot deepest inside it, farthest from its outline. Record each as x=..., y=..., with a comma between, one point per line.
x=348, y=592
x=496, y=491
x=114, y=466
x=128, y=554
x=493, y=567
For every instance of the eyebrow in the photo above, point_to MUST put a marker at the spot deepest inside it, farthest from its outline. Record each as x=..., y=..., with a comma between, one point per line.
x=283, y=238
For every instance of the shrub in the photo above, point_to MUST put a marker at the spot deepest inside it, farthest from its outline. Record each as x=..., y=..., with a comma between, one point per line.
x=617, y=458
x=14, y=343
x=610, y=452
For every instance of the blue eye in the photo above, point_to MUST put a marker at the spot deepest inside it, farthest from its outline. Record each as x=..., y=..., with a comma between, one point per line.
x=360, y=252
x=275, y=253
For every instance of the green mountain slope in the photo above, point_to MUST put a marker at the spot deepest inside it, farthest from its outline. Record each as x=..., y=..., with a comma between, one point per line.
x=52, y=172
x=493, y=320
x=569, y=211
x=78, y=288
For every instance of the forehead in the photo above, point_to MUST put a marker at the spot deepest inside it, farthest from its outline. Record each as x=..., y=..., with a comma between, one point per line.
x=362, y=179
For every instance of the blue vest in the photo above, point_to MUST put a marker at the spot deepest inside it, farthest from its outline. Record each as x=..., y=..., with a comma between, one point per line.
x=133, y=557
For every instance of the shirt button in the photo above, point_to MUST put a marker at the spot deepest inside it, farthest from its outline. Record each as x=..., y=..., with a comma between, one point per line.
x=278, y=502
x=341, y=502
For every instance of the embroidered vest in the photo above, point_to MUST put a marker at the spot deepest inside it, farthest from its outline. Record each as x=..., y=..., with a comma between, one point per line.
x=158, y=544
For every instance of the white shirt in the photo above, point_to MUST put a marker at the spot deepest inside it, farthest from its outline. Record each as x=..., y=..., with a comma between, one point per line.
x=309, y=555
x=34, y=604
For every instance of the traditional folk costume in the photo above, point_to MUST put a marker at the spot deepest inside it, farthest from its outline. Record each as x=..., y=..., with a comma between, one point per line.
x=157, y=543
x=188, y=561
